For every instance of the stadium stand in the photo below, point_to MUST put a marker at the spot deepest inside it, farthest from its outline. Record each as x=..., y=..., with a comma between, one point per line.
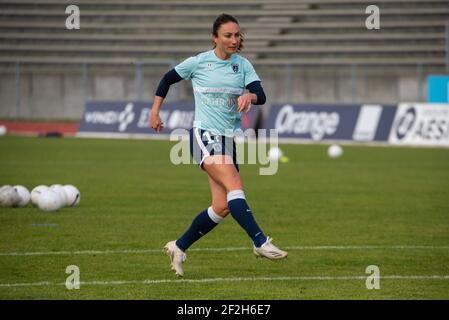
x=286, y=37
x=297, y=30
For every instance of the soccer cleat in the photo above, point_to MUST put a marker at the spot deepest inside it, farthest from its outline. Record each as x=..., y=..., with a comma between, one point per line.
x=270, y=251
x=177, y=257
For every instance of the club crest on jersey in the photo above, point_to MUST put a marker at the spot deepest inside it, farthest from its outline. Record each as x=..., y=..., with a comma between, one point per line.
x=210, y=66
x=235, y=68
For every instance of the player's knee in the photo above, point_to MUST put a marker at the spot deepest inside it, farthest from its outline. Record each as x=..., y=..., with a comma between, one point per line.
x=235, y=185
x=222, y=210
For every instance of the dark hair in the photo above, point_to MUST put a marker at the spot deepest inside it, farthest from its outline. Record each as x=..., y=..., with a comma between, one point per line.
x=222, y=19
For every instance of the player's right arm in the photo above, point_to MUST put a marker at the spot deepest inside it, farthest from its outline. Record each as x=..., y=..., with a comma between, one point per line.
x=184, y=70
x=155, y=120
x=167, y=80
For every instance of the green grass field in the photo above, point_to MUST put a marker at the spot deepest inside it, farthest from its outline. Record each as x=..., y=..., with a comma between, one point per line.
x=380, y=206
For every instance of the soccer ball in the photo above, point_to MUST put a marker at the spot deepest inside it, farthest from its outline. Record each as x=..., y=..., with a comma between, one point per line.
x=73, y=195
x=275, y=154
x=36, y=193
x=24, y=195
x=3, y=130
x=8, y=197
x=335, y=151
x=61, y=193
x=49, y=200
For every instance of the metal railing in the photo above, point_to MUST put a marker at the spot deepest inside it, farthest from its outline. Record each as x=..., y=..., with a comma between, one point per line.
x=285, y=76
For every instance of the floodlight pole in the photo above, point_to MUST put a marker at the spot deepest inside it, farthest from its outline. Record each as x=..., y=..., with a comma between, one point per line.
x=18, y=89
x=139, y=80
x=85, y=82
x=420, y=71
x=354, y=81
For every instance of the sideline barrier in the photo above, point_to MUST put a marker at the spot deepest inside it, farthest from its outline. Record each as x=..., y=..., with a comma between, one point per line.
x=359, y=123
x=421, y=124
x=124, y=119
x=410, y=124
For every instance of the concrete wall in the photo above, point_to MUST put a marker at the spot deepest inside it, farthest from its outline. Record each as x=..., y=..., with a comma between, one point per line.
x=62, y=95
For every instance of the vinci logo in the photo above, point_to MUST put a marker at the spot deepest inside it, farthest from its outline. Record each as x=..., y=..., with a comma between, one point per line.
x=123, y=118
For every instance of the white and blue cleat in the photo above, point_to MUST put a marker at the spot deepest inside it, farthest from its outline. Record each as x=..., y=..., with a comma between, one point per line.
x=269, y=251
x=177, y=257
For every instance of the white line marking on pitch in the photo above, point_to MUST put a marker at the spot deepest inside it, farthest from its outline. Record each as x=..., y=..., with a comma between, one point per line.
x=133, y=251
x=211, y=280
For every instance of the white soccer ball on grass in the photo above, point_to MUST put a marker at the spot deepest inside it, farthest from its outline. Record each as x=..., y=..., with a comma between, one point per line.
x=36, y=193
x=73, y=195
x=49, y=200
x=3, y=130
x=8, y=197
x=335, y=151
x=24, y=195
x=275, y=154
x=61, y=193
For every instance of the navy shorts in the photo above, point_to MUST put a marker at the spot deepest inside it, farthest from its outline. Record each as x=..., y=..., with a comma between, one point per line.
x=204, y=143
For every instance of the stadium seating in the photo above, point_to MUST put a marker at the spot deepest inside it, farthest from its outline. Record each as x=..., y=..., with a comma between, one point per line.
x=304, y=50
x=277, y=32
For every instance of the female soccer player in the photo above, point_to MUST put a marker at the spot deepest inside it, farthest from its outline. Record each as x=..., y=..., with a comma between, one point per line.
x=219, y=79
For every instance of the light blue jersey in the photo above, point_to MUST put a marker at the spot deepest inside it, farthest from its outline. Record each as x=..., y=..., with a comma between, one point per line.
x=217, y=84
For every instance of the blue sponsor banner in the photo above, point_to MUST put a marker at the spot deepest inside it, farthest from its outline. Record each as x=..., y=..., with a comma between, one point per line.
x=438, y=88
x=369, y=122
x=124, y=117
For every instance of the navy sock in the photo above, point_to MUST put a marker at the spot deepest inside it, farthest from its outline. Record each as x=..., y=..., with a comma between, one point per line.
x=243, y=215
x=202, y=224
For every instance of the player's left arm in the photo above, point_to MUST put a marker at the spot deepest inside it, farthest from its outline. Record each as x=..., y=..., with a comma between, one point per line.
x=255, y=96
x=251, y=81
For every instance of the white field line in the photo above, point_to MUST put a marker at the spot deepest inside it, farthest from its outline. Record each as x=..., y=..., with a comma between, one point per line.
x=214, y=280
x=136, y=251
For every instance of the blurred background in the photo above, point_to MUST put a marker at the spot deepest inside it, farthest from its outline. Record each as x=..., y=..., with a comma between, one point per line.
x=305, y=51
